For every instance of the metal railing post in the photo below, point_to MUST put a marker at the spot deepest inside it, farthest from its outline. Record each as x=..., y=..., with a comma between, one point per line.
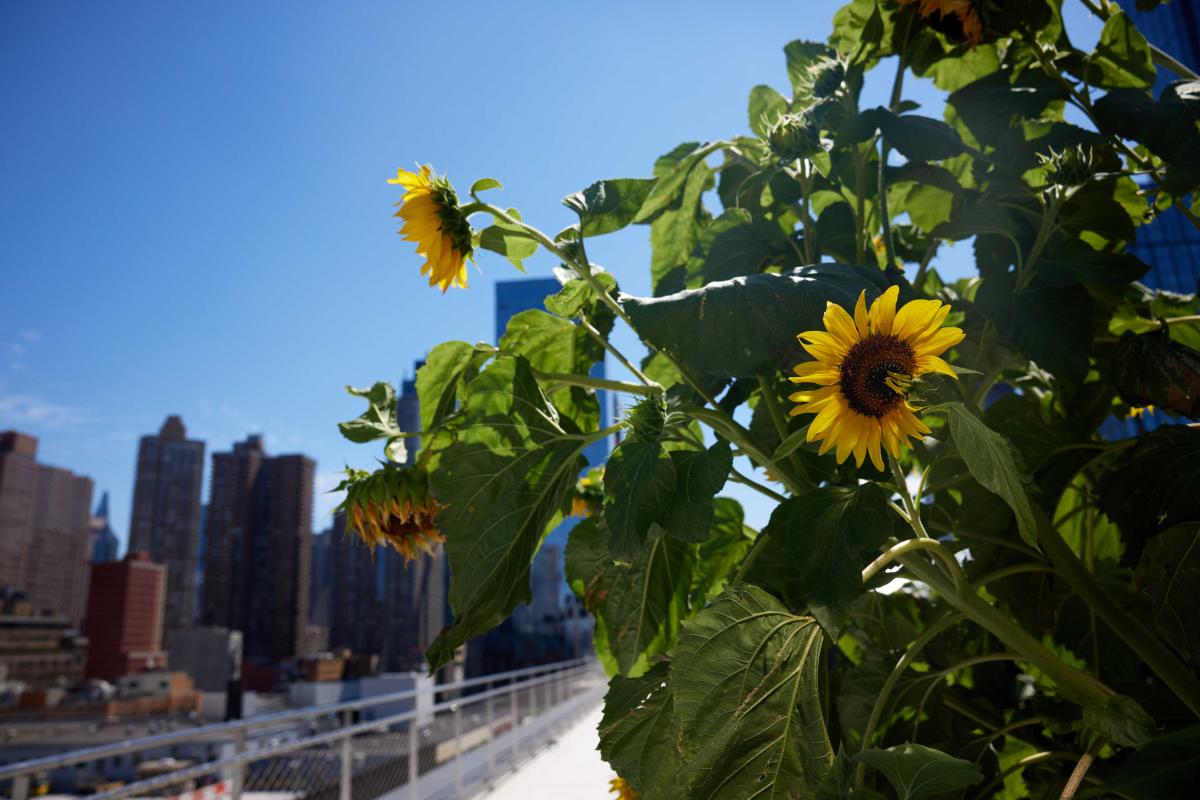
x=21, y=787
x=347, y=761
x=414, y=789
x=239, y=771
x=456, y=710
x=491, y=737
x=514, y=713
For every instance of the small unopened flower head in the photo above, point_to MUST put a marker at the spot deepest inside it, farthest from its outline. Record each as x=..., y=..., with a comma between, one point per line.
x=1073, y=166
x=647, y=421
x=392, y=506
x=827, y=76
x=794, y=136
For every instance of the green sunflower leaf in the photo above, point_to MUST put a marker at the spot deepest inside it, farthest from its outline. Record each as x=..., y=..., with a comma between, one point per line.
x=995, y=464
x=746, y=327
x=699, y=475
x=511, y=241
x=639, y=480
x=744, y=679
x=639, y=736
x=917, y=771
x=503, y=480
x=831, y=533
x=609, y=205
x=378, y=421
x=640, y=602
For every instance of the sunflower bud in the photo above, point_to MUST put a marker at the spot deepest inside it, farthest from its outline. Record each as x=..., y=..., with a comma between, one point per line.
x=1074, y=166
x=794, y=136
x=1155, y=370
x=647, y=421
x=827, y=77
x=392, y=506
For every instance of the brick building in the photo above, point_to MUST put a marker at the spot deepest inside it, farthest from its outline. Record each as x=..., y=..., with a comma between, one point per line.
x=126, y=603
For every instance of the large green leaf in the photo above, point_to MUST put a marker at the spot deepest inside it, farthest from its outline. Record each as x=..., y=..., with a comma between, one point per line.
x=676, y=228
x=920, y=138
x=745, y=327
x=673, y=177
x=1168, y=576
x=831, y=534
x=1049, y=325
x=917, y=771
x=1122, y=56
x=639, y=479
x=640, y=602
x=509, y=467
x=1152, y=369
x=1153, y=486
x=995, y=464
x=734, y=244
x=610, y=205
x=639, y=737
x=1168, y=766
x=802, y=55
x=745, y=683
x=1119, y=720
x=554, y=344
x=990, y=105
x=438, y=381
x=699, y=474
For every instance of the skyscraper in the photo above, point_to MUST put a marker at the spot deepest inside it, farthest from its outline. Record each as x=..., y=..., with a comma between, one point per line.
x=103, y=541
x=258, y=549
x=44, y=528
x=354, y=619
x=165, y=522
x=126, y=605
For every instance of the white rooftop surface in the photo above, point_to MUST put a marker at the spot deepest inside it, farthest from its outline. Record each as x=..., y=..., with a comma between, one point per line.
x=570, y=767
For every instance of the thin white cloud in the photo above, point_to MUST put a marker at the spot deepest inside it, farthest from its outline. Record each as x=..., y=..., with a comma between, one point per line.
x=30, y=335
x=30, y=410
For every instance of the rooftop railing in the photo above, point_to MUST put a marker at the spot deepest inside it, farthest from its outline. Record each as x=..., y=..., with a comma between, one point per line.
x=434, y=742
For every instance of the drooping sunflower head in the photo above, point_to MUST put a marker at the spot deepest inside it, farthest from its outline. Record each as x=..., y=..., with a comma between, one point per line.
x=434, y=220
x=622, y=789
x=863, y=368
x=958, y=19
x=392, y=506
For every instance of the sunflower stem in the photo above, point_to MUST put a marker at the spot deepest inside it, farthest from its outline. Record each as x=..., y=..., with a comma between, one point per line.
x=588, y=382
x=780, y=422
x=912, y=545
x=617, y=354
x=746, y=480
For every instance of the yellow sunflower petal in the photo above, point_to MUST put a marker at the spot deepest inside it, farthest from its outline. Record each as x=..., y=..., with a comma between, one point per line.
x=941, y=341
x=883, y=311
x=840, y=325
x=914, y=317
x=861, y=318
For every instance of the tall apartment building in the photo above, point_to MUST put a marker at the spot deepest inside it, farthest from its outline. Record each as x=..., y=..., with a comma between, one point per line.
x=257, y=549
x=355, y=593
x=165, y=522
x=125, y=610
x=37, y=651
x=44, y=529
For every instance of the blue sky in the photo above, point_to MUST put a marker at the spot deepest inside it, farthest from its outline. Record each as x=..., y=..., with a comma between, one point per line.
x=196, y=218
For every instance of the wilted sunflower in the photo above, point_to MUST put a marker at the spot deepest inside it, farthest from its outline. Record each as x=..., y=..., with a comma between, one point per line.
x=959, y=18
x=864, y=366
x=392, y=506
x=622, y=789
x=433, y=219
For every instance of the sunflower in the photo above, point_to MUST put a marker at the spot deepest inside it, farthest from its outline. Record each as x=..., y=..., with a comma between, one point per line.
x=433, y=219
x=392, y=506
x=622, y=789
x=864, y=367
x=958, y=18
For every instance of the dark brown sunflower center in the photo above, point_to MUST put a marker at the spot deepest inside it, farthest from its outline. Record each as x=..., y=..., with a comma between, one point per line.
x=869, y=370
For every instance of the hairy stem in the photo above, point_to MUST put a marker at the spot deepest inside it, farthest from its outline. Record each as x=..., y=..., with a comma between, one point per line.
x=1081, y=769
x=911, y=546
x=617, y=354
x=589, y=382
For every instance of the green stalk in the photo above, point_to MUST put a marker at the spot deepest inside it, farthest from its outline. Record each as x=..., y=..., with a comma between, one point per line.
x=1165, y=664
x=780, y=422
x=588, y=382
